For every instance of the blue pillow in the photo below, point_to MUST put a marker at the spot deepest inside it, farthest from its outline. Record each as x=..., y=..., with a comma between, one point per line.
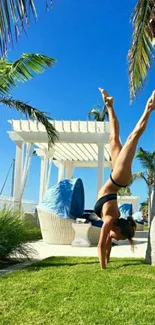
x=65, y=199
x=125, y=210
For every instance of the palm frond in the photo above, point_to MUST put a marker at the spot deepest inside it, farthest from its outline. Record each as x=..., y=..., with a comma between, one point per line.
x=14, y=17
x=94, y=114
x=139, y=175
x=125, y=191
x=144, y=207
x=33, y=114
x=147, y=159
x=98, y=113
x=141, y=51
x=22, y=69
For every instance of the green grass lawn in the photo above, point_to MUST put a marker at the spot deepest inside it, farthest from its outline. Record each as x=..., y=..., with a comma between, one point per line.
x=74, y=291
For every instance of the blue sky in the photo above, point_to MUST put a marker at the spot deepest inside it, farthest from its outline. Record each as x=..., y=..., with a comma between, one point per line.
x=90, y=41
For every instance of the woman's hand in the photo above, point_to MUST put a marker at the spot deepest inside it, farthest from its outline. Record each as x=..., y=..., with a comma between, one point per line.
x=103, y=241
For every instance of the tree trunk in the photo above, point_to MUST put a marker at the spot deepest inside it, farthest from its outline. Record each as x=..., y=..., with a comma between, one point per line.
x=149, y=206
x=150, y=251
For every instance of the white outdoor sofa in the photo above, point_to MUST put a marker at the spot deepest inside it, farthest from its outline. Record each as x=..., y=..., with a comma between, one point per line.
x=58, y=231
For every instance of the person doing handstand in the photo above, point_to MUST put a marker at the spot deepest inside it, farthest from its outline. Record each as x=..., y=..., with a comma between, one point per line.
x=122, y=156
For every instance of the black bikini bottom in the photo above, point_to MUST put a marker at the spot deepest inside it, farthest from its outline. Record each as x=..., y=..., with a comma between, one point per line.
x=99, y=204
x=116, y=182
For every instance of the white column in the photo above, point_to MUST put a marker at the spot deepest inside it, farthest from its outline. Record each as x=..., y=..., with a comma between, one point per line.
x=43, y=176
x=49, y=172
x=26, y=168
x=69, y=169
x=100, y=172
x=61, y=170
x=18, y=170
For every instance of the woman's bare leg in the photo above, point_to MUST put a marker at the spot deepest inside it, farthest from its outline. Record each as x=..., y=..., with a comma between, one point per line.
x=122, y=171
x=115, y=144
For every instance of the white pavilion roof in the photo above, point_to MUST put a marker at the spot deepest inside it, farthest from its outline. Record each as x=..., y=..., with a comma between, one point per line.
x=78, y=140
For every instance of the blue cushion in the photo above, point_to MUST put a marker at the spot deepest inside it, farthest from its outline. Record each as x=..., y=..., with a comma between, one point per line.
x=65, y=199
x=97, y=223
x=125, y=210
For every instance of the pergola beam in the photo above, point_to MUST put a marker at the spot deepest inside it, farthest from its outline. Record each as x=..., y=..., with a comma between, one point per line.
x=88, y=164
x=68, y=137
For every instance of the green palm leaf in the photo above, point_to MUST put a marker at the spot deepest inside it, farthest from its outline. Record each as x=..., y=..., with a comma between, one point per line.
x=22, y=70
x=98, y=113
x=140, y=175
x=14, y=17
x=144, y=207
x=147, y=159
x=94, y=114
x=140, y=53
x=33, y=114
x=125, y=191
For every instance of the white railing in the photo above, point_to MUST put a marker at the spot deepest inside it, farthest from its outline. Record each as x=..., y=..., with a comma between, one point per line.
x=27, y=205
x=129, y=199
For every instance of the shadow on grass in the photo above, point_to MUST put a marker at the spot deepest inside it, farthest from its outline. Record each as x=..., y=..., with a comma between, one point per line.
x=6, y=263
x=74, y=261
x=62, y=261
x=126, y=262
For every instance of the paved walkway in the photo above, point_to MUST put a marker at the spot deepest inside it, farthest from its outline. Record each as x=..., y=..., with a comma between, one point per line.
x=43, y=251
x=123, y=249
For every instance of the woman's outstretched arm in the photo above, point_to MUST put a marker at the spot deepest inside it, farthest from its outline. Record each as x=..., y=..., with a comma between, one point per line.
x=108, y=246
x=103, y=241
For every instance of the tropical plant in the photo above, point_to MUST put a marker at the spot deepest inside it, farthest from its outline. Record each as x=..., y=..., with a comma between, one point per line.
x=144, y=208
x=13, y=235
x=141, y=52
x=150, y=251
x=11, y=73
x=32, y=234
x=14, y=18
x=125, y=191
x=98, y=113
x=147, y=160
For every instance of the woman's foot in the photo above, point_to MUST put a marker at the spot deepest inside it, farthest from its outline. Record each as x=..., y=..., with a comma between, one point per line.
x=151, y=101
x=106, y=97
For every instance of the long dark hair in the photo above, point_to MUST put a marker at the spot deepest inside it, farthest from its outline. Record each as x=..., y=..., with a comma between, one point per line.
x=127, y=228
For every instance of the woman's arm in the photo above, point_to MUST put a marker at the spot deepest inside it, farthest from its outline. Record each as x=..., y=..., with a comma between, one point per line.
x=108, y=251
x=102, y=245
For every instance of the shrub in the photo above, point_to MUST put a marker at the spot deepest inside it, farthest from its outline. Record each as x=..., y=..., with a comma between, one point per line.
x=13, y=234
x=32, y=234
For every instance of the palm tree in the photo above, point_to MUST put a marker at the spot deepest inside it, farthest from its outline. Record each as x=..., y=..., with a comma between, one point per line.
x=21, y=71
x=14, y=18
x=97, y=113
x=144, y=208
x=148, y=181
x=147, y=160
x=143, y=40
x=140, y=58
x=125, y=191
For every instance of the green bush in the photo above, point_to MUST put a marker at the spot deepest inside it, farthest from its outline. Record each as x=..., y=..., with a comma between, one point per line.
x=32, y=234
x=13, y=235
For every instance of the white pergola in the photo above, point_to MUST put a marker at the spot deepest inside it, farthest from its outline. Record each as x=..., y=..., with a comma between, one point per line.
x=80, y=144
